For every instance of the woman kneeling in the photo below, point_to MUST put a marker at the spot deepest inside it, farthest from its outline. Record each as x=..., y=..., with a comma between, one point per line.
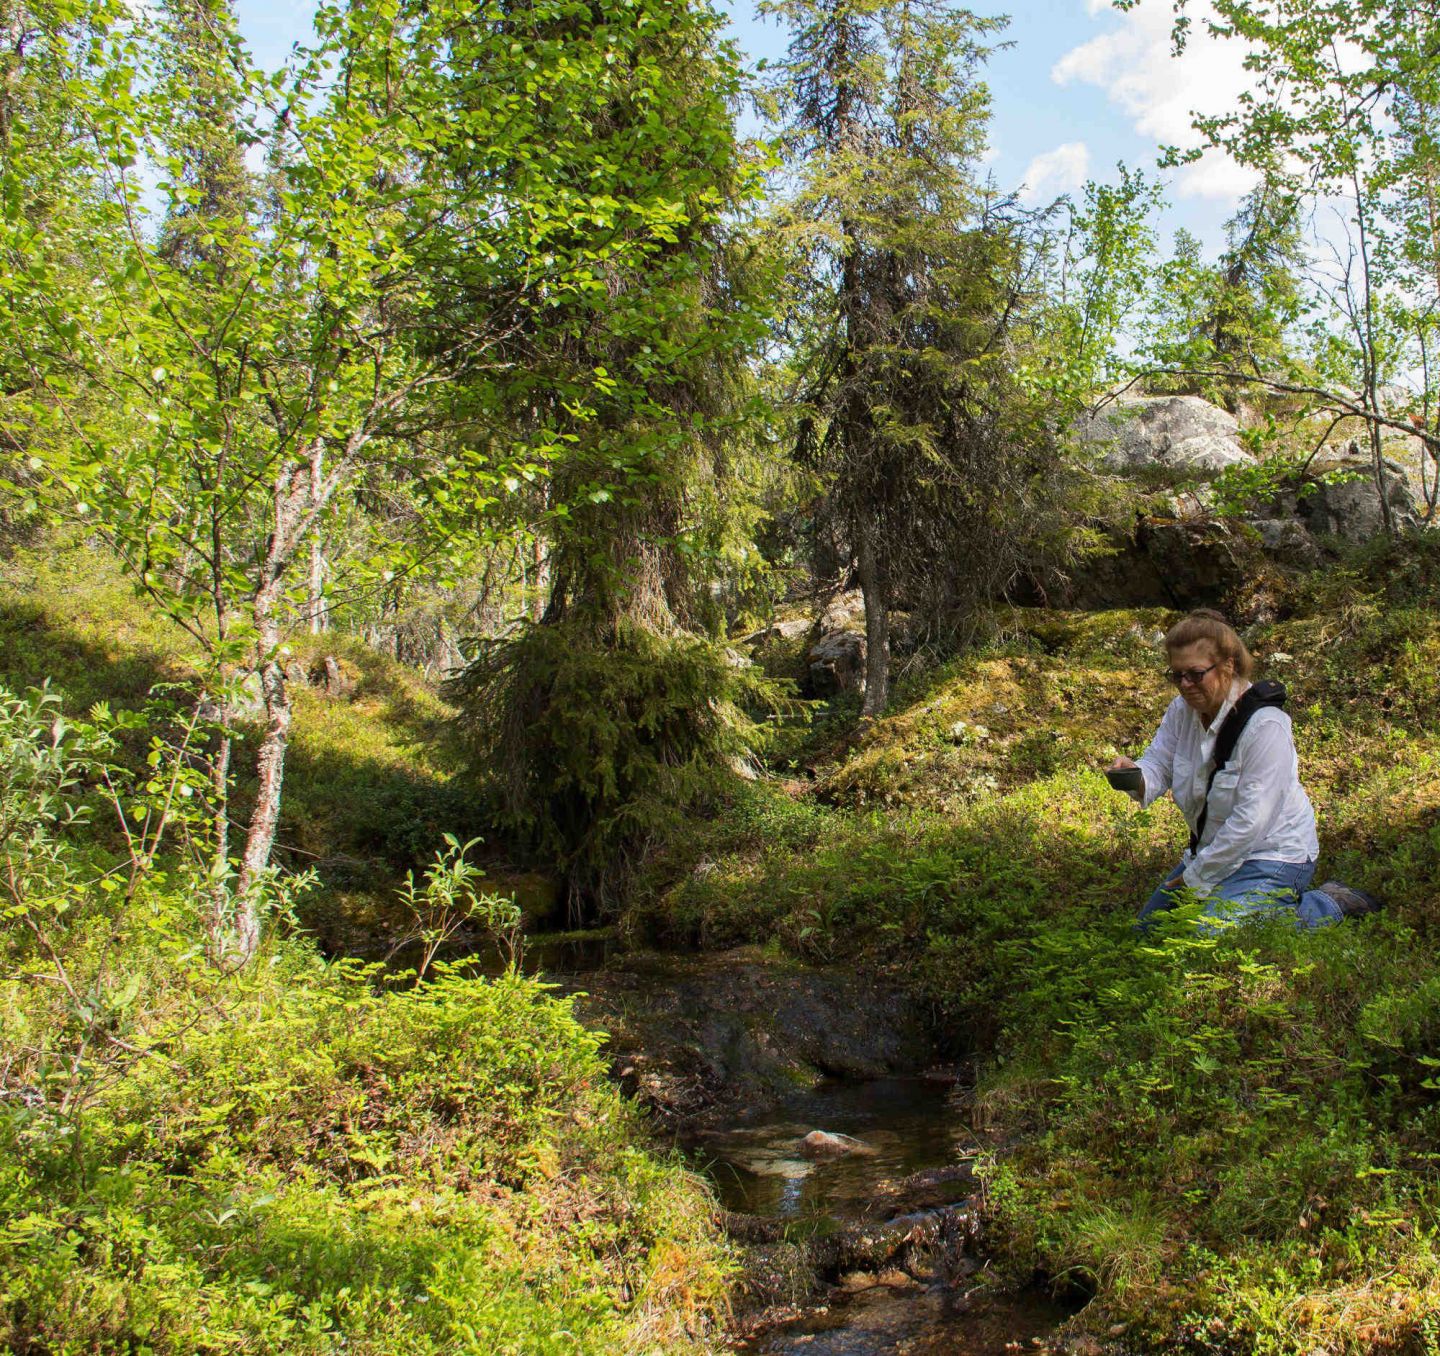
x=1252, y=829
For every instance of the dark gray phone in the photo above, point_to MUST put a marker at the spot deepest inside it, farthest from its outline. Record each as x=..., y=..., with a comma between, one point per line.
x=1126, y=778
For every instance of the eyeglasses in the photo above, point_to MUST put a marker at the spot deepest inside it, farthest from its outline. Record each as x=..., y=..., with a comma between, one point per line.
x=1191, y=676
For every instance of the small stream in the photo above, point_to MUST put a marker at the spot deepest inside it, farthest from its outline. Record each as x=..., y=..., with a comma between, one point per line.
x=908, y=1126
x=885, y=1321
x=913, y=1134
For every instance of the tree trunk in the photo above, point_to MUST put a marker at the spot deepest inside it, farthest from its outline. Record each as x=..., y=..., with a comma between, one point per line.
x=269, y=769
x=1377, y=457
x=540, y=579
x=219, y=920
x=877, y=623
x=315, y=602
x=315, y=593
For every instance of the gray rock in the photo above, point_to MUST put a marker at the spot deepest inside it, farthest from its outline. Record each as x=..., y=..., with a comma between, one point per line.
x=836, y=653
x=837, y=649
x=1349, y=509
x=843, y=612
x=331, y=677
x=1169, y=437
x=837, y=663
x=1285, y=541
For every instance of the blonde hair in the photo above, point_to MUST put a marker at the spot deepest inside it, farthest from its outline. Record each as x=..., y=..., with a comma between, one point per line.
x=1203, y=624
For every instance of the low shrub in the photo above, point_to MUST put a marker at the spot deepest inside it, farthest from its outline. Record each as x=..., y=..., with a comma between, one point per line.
x=300, y=1156
x=1228, y=1140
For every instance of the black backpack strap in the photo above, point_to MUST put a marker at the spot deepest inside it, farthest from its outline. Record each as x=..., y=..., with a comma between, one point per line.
x=1254, y=697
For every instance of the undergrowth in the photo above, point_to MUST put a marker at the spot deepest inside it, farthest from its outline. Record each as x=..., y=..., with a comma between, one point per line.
x=1230, y=1141
x=371, y=781
x=302, y=1156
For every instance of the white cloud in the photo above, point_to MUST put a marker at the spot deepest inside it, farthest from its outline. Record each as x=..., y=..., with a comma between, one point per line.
x=1215, y=176
x=1059, y=171
x=1160, y=93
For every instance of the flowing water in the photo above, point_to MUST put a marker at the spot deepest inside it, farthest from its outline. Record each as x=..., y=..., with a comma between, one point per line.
x=884, y=1321
x=907, y=1126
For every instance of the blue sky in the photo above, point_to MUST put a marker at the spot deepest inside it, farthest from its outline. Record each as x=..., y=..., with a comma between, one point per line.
x=1080, y=88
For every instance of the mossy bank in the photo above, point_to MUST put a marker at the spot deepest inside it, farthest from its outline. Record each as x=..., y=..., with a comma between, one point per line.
x=304, y=1155
x=1229, y=1141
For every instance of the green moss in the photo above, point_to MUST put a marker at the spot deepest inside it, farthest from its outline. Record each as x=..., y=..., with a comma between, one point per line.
x=297, y=1156
x=1229, y=1140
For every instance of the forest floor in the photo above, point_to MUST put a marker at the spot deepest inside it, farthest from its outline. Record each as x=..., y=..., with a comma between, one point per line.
x=1229, y=1142
x=309, y=1155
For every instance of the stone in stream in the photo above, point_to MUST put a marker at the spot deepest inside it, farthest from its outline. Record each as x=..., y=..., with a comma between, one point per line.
x=825, y=1144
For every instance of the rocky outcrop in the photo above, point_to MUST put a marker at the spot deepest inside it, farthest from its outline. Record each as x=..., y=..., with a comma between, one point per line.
x=1340, y=500
x=1165, y=439
x=1179, y=552
x=836, y=663
x=835, y=653
x=700, y=1038
x=836, y=649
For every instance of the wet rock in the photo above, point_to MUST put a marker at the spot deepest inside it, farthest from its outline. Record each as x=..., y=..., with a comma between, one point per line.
x=927, y=1190
x=706, y=1038
x=893, y=1243
x=825, y=1144
x=896, y=1279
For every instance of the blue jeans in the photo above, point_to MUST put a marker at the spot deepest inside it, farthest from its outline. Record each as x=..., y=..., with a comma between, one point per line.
x=1259, y=887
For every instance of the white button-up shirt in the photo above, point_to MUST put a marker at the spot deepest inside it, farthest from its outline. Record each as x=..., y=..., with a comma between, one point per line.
x=1258, y=809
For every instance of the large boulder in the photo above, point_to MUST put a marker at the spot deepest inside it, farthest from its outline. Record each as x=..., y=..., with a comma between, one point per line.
x=835, y=655
x=1165, y=438
x=1340, y=499
x=1178, y=552
x=837, y=663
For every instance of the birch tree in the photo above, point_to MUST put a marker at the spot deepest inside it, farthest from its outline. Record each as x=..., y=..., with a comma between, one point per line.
x=213, y=387
x=1343, y=107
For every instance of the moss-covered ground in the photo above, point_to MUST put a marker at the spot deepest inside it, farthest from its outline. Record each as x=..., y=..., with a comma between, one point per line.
x=306, y=1156
x=1230, y=1141
x=372, y=780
